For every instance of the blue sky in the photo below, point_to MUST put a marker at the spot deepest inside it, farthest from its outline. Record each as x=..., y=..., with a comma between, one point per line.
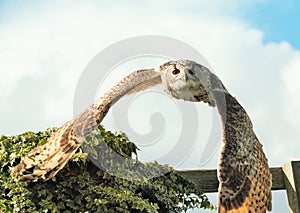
x=252, y=45
x=279, y=20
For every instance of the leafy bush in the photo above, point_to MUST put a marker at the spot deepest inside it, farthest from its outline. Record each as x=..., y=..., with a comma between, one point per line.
x=82, y=187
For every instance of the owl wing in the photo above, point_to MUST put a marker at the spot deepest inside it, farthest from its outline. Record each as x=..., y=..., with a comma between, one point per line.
x=51, y=156
x=156, y=80
x=62, y=144
x=244, y=175
x=245, y=186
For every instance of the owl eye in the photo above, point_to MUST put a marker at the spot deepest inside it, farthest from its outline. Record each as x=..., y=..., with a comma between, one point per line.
x=192, y=72
x=176, y=72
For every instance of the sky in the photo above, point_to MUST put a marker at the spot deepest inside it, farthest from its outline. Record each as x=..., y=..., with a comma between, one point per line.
x=253, y=47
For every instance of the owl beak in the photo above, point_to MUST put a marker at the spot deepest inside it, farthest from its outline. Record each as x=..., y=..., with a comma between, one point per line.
x=188, y=77
x=191, y=81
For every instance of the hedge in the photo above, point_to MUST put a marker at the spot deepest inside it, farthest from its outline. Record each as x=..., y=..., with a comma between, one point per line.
x=123, y=184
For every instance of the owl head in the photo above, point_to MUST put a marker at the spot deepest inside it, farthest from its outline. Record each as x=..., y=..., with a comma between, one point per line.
x=190, y=81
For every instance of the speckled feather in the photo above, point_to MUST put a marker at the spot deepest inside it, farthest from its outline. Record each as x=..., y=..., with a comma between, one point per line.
x=49, y=158
x=245, y=179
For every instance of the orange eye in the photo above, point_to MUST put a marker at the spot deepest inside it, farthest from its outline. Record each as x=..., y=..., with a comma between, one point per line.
x=176, y=72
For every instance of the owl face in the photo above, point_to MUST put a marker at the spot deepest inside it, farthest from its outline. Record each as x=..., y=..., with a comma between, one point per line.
x=175, y=81
x=185, y=80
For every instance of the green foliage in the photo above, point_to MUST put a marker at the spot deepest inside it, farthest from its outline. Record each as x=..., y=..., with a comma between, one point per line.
x=129, y=186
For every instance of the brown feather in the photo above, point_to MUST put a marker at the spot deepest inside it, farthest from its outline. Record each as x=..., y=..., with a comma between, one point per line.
x=245, y=179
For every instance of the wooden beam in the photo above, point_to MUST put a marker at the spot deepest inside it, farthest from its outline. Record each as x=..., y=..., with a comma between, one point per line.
x=292, y=183
x=208, y=180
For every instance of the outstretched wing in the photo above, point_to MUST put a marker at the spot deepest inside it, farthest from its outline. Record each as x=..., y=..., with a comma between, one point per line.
x=244, y=175
x=243, y=192
x=62, y=144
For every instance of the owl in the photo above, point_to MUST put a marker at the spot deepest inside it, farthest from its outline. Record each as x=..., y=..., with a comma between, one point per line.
x=244, y=176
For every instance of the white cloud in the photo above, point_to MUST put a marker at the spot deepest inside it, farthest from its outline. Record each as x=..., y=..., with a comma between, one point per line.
x=291, y=76
x=43, y=52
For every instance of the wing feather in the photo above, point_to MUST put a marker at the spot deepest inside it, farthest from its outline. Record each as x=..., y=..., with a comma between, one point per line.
x=244, y=175
x=62, y=144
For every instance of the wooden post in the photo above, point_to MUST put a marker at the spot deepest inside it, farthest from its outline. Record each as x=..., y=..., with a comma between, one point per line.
x=292, y=184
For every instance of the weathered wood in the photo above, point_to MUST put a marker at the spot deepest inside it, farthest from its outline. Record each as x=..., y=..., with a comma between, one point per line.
x=207, y=179
x=209, y=182
x=277, y=178
x=292, y=183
